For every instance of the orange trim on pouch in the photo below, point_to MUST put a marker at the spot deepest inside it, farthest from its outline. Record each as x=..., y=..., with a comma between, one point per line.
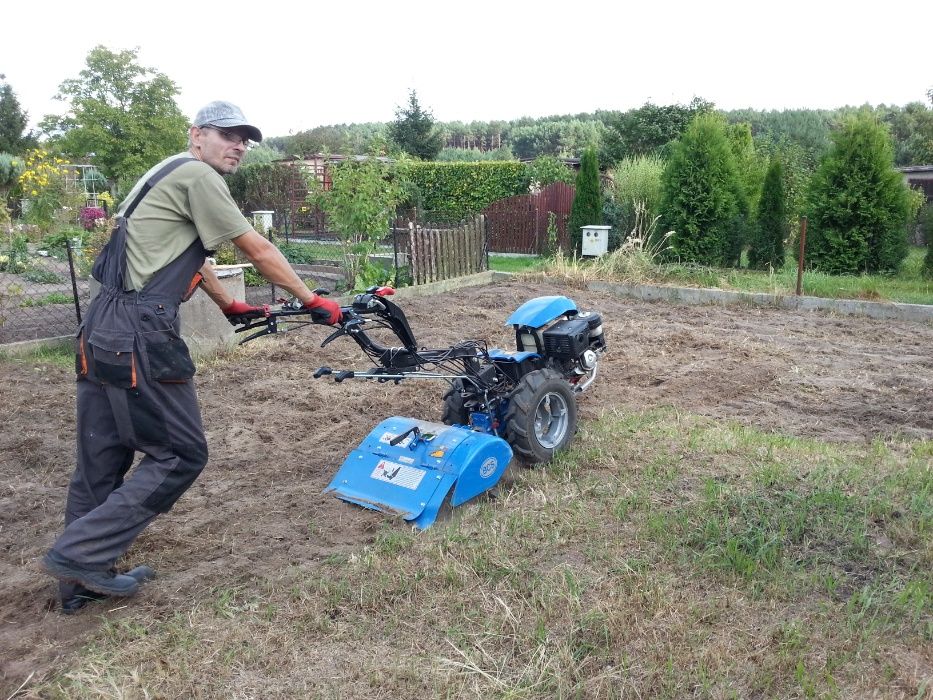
x=195, y=281
x=82, y=354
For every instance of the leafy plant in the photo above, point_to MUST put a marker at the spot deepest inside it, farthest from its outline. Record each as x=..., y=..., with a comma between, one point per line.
x=123, y=113
x=359, y=206
x=459, y=189
x=633, y=180
x=43, y=185
x=925, y=221
x=858, y=203
x=546, y=170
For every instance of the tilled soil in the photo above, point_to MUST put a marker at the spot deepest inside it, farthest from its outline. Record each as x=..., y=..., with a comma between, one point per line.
x=277, y=436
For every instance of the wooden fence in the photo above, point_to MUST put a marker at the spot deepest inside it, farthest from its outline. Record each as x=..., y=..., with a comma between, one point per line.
x=519, y=224
x=441, y=253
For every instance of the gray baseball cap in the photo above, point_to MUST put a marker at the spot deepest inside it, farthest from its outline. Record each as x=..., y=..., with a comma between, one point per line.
x=225, y=115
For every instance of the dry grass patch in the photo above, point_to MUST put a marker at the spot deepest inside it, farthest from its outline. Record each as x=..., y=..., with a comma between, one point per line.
x=666, y=555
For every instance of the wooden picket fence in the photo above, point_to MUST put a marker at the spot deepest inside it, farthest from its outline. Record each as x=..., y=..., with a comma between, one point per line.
x=442, y=253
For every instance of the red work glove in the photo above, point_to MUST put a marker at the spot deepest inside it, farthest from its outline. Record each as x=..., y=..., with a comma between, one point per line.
x=239, y=312
x=324, y=310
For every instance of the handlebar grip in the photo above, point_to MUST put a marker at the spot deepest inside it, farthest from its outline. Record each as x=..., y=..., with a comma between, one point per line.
x=322, y=372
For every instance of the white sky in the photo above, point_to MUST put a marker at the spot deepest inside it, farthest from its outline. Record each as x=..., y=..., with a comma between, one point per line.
x=295, y=65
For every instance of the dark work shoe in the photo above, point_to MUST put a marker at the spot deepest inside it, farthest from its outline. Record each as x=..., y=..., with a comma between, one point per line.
x=98, y=581
x=74, y=596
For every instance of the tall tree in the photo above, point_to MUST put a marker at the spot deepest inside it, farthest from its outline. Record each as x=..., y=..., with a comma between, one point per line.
x=767, y=246
x=699, y=193
x=587, y=207
x=122, y=113
x=648, y=129
x=414, y=130
x=858, y=203
x=12, y=121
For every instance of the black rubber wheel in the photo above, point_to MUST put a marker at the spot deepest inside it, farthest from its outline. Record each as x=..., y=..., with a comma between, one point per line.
x=455, y=412
x=542, y=416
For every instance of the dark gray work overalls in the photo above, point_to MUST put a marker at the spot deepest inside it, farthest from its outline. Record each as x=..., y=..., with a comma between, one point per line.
x=135, y=392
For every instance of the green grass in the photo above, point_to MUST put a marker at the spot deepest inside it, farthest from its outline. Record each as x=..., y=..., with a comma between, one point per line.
x=53, y=298
x=908, y=286
x=60, y=355
x=666, y=555
x=508, y=263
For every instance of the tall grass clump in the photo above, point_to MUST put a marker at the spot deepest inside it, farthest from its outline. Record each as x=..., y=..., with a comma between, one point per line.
x=632, y=180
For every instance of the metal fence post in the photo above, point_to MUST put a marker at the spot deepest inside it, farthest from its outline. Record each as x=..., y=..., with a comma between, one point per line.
x=803, y=244
x=74, y=281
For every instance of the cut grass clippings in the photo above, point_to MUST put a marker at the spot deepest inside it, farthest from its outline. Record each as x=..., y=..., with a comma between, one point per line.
x=665, y=555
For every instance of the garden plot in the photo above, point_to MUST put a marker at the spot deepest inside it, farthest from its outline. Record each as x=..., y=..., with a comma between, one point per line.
x=255, y=527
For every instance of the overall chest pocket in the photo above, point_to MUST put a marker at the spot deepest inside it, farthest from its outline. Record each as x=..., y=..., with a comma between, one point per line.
x=112, y=356
x=167, y=358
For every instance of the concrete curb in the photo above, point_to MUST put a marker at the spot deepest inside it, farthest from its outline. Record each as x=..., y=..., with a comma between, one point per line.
x=847, y=307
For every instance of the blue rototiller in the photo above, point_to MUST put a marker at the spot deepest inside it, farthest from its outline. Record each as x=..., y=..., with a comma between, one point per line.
x=499, y=402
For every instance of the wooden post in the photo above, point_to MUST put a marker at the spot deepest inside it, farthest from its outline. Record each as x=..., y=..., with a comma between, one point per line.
x=800, y=256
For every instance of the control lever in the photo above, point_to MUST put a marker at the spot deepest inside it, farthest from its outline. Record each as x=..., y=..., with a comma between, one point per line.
x=413, y=430
x=343, y=374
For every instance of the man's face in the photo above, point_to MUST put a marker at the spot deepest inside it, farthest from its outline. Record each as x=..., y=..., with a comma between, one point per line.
x=221, y=149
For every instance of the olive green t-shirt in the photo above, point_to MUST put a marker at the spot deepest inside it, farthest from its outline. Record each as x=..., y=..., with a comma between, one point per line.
x=190, y=202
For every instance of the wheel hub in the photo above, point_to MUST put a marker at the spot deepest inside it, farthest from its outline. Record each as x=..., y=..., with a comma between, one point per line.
x=551, y=420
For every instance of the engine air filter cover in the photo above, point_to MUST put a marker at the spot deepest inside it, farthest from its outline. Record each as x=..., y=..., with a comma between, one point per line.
x=567, y=339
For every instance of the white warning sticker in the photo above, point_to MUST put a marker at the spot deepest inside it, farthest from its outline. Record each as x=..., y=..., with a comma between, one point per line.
x=398, y=474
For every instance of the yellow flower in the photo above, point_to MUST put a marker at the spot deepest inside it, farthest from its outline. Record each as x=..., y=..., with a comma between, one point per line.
x=34, y=193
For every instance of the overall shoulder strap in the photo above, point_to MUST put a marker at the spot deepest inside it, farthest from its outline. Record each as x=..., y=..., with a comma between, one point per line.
x=151, y=182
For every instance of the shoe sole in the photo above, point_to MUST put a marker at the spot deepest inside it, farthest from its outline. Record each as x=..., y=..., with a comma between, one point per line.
x=72, y=604
x=69, y=576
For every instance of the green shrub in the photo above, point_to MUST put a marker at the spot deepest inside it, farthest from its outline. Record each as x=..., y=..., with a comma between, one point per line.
x=858, y=203
x=767, y=246
x=463, y=188
x=699, y=194
x=925, y=220
x=633, y=180
x=473, y=155
x=587, y=207
x=546, y=170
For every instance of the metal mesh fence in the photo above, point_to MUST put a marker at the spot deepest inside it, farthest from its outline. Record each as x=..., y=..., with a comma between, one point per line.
x=39, y=288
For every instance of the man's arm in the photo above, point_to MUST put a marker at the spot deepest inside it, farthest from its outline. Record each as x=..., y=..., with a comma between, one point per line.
x=213, y=287
x=271, y=264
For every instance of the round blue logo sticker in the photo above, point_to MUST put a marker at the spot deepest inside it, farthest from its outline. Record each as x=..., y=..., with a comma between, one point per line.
x=488, y=468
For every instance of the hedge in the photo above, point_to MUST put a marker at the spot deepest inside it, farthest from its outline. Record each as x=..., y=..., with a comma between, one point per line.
x=461, y=188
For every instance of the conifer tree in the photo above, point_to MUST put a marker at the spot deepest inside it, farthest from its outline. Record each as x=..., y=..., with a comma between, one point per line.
x=12, y=120
x=415, y=132
x=700, y=200
x=858, y=203
x=767, y=248
x=587, y=207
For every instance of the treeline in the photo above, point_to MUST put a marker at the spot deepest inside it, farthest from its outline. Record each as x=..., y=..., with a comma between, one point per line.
x=616, y=135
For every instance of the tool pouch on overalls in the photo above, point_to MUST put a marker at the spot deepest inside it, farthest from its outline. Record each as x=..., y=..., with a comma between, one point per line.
x=167, y=357
x=112, y=357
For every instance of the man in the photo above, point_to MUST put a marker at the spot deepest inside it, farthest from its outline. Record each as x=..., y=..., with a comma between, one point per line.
x=135, y=388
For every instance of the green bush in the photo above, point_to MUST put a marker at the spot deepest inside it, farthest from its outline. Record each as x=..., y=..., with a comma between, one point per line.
x=587, y=207
x=463, y=188
x=633, y=180
x=767, y=246
x=546, y=170
x=925, y=220
x=858, y=204
x=699, y=194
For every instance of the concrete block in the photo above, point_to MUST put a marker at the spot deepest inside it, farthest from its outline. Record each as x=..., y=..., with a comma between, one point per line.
x=204, y=328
